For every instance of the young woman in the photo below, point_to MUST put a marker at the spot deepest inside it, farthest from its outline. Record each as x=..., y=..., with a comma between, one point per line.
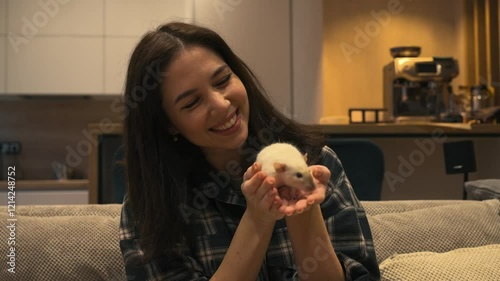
x=197, y=206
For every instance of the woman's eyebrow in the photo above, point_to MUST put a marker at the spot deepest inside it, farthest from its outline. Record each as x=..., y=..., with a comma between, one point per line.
x=184, y=95
x=189, y=92
x=219, y=70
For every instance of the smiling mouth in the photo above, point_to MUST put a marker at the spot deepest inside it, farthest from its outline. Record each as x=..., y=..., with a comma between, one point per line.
x=229, y=124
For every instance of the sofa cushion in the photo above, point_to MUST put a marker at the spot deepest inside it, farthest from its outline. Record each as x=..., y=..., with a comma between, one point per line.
x=438, y=228
x=483, y=189
x=65, y=243
x=373, y=208
x=478, y=263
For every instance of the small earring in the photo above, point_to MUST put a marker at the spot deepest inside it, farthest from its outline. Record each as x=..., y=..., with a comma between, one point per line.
x=175, y=138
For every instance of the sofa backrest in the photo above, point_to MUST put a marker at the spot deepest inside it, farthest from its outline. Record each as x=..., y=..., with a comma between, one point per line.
x=74, y=242
x=81, y=242
x=400, y=227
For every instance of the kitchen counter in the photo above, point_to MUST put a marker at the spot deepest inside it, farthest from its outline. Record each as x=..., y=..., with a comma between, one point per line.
x=397, y=142
x=72, y=184
x=411, y=129
x=371, y=129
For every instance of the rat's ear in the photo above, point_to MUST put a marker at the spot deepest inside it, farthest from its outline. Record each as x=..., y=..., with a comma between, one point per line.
x=279, y=167
x=305, y=157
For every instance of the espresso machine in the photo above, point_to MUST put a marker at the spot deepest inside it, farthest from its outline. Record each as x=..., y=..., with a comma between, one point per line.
x=417, y=88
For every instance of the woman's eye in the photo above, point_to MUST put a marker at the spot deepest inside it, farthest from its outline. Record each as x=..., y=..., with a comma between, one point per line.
x=224, y=81
x=191, y=104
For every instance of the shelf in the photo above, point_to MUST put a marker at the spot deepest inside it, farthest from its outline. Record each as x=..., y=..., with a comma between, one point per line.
x=48, y=184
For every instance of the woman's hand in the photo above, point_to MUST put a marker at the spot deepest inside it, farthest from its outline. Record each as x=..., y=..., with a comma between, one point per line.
x=299, y=201
x=261, y=196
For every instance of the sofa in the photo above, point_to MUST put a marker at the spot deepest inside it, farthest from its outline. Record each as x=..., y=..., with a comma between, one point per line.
x=414, y=240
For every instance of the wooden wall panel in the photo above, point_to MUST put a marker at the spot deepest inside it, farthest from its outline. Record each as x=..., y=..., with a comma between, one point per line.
x=53, y=130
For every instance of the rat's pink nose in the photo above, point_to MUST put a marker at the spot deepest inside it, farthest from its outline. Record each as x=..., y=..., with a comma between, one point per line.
x=310, y=186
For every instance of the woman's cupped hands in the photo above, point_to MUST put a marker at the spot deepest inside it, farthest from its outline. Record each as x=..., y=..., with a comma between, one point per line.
x=267, y=201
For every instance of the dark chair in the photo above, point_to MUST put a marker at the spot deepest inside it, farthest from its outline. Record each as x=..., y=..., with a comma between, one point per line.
x=110, y=171
x=363, y=163
x=119, y=177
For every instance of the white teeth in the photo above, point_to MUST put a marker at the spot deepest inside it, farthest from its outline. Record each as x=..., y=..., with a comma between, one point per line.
x=228, y=125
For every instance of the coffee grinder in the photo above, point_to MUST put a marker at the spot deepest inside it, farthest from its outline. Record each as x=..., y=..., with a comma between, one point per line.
x=417, y=88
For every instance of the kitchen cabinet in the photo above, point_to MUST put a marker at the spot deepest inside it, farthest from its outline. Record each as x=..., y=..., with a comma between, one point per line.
x=3, y=43
x=125, y=22
x=55, y=47
x=117, y=52
x=56, y=65
x=279, y=46
x=3, y=17
x=62, y=18
x=80, y=46
x=265, y=44
x=3, y=67
x=134, y=17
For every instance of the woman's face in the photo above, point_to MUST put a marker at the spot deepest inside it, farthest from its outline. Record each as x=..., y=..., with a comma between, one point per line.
x=205, y=101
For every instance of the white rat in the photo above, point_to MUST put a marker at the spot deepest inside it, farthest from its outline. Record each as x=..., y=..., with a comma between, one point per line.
x=287, y=165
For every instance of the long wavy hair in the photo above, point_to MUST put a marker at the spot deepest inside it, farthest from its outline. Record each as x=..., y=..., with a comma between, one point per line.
x=158, y=168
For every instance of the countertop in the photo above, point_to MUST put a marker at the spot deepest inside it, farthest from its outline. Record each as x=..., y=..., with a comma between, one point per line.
x=412, y=129
x=74, y=184
x=371, y=129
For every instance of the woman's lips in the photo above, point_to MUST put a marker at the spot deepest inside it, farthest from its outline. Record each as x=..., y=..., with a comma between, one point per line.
x=230, y=126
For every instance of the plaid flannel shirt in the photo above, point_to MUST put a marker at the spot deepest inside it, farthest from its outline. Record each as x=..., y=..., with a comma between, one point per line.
x=214, y=224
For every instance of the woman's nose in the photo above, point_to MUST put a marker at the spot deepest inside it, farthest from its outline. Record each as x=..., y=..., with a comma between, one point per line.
x=218, y=103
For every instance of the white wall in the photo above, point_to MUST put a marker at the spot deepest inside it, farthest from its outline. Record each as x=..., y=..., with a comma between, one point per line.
x=307, y=78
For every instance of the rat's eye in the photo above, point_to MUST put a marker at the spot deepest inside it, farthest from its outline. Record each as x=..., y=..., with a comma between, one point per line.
x=299, y=175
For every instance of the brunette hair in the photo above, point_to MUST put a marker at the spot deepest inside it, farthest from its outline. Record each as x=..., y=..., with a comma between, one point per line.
x=158, y=168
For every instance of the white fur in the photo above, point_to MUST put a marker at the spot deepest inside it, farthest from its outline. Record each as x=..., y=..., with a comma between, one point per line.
x=289, y=155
